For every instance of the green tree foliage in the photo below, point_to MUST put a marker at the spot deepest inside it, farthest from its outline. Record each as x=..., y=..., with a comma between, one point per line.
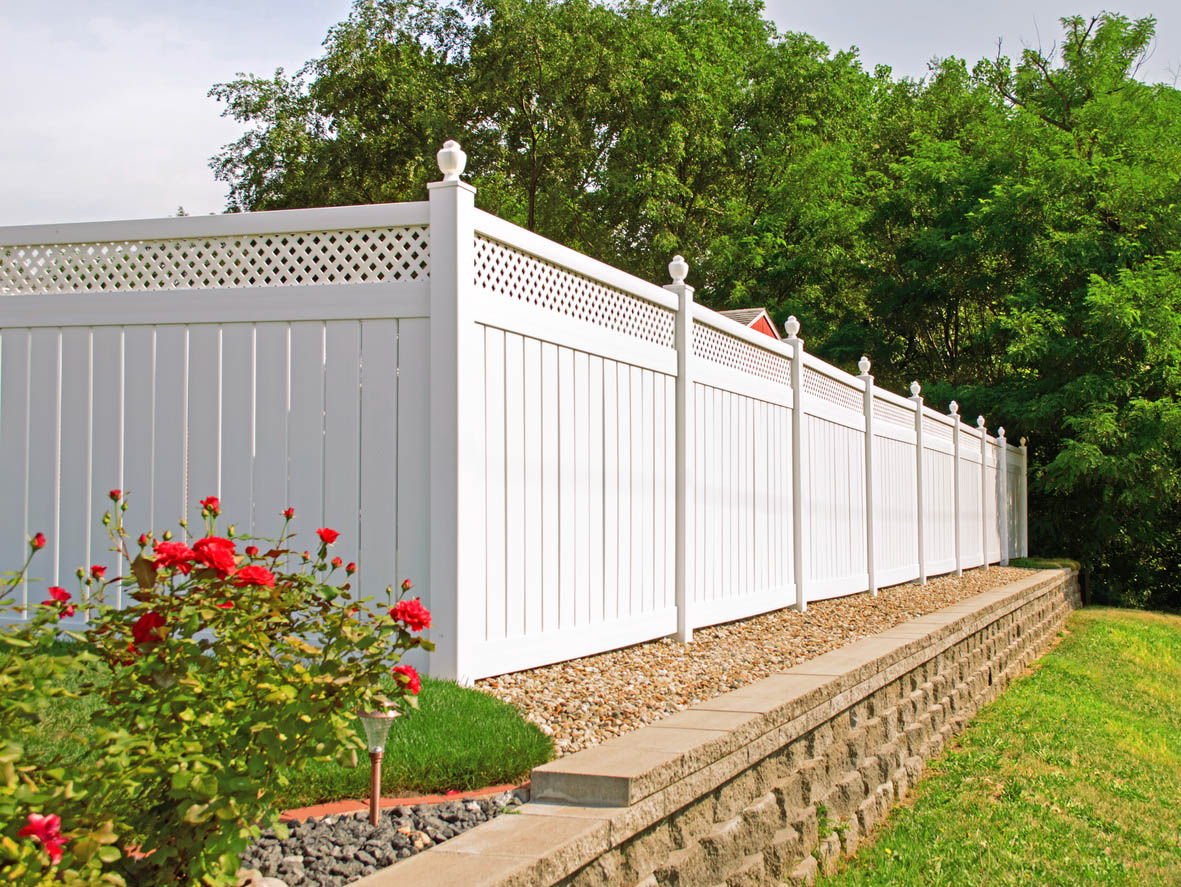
x=1000, y=232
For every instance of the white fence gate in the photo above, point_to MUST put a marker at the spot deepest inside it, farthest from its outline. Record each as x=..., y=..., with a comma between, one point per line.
x=564, y=458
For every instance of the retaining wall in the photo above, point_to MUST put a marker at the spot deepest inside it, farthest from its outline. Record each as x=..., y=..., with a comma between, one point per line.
x=766, y=783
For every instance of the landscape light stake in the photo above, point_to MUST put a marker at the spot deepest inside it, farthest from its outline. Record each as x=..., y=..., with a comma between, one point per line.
x=377, y=727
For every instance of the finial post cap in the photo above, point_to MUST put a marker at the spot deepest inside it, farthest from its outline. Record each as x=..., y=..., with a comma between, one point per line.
x=953, y=408
x=452, y=160
x=980, y=421
x=678, y=269
x=915, y=389
x=863, y=365
x=792, y=327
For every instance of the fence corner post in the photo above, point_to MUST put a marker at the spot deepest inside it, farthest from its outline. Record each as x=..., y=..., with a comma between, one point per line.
x=792, y=327
x=1002, y=482
x=678, y=270
x=917, y=397
x=870, y=551
x=983, y=491
x=456, y=419
x=1023, y=500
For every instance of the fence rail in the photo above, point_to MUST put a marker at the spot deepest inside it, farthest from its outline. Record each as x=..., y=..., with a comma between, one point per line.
x=563, y=457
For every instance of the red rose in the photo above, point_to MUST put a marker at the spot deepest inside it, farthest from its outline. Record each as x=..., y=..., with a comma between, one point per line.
x=254, y=575
x=60, y=597
x=97, y=571
x=337, y=562
x=289, y=513
x=174, y=554
x=412, y=682
x=146, y=627
x=143, y=540
x=327, y=536
x=412, y=614
x=115, y=494
x=350, y=568
x=406, y=586
x=216, y=553
x=252, y=551
x=211, y=505
x=47, y=830
x=38, y=541
x=225, y=605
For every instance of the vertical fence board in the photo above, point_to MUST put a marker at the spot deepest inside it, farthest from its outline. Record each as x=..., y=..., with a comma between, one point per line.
x=413, y=457
x=76, y=421
x=206, y=390
x=106, y=460
x=237, y=427
x=272, y=396
x=377, y=561
x=170, y=454
x=516, y=470
x=306, y=430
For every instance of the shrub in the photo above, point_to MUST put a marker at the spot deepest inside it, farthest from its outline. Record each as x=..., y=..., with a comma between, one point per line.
x=228, y=673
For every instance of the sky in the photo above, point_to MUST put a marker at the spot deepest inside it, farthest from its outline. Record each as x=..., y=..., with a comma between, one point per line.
x=106, y=113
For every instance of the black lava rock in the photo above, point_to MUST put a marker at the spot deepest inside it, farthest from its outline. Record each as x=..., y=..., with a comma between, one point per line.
x=336, y=850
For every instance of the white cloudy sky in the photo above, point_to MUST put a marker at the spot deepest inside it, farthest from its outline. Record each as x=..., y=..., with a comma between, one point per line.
x=106, y=114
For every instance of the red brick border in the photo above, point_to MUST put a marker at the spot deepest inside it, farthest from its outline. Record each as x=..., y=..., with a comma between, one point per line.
x=336, y=808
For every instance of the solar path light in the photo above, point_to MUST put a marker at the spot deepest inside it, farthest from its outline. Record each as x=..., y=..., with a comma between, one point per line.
x=377, y=727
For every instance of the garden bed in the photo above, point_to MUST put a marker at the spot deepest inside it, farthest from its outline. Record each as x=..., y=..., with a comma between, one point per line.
x=583, y=702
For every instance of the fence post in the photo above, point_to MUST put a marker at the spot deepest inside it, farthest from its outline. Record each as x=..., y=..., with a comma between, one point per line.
x=870, y=553
x=678, y=269
x=456, y=420
x=983, y=490
x=1002, y=482
x=917, y=397
x=953, y=410
x=1023, y=501
x=792, y=327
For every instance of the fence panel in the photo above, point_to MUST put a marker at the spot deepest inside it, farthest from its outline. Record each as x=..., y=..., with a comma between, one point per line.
x=939, y=517
x=740, y=527
x=834, y=548
x=579, y=393
x=149, y=381
x=895, y=501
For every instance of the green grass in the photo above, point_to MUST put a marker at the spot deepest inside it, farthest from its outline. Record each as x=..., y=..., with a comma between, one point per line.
x=1071, y=777
x=1043, y=563
x=458, y=739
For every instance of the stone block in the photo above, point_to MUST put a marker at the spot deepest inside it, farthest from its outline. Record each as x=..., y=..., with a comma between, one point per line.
x=782, y=852
x=828, y=853
x=804, y=874
x=750, y=873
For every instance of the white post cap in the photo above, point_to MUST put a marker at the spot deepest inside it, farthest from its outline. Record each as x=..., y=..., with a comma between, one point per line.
x=953, y=408
x=792, y=327
x=980, y=421
x=863, y=365
x=678, y=269
x=915, y=388
x=452, y=160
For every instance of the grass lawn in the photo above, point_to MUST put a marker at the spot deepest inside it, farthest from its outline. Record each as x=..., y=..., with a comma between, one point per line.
x=458, y=739
x=1072, y=777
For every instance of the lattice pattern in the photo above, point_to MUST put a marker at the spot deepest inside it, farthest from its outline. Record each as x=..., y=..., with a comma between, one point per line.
x=888, y=411
x=938, y=430
x=369, y=255
x=820, y=385
x=717, y=347
x=518, y=275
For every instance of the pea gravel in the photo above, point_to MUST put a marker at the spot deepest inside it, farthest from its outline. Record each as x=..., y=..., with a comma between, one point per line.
x=586, y=701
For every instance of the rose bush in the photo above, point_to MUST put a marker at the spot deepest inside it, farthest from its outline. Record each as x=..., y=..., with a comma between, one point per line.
x=228, y=672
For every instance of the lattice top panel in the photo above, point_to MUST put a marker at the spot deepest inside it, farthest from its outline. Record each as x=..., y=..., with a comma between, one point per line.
x=518, y=275
x=825, y=388
x=938, y=430
x=715, y=346
x=370, y=255
x=888, y=411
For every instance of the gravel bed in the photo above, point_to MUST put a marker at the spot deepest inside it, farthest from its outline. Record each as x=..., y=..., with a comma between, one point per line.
x=587, y=701
x=332, y=851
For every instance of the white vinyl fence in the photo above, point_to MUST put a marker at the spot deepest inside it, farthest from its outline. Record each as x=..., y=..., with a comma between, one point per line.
x=562, y=457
